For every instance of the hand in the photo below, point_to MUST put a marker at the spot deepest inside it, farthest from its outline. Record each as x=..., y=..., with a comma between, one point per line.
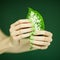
x=20, y=29
x=42, y=39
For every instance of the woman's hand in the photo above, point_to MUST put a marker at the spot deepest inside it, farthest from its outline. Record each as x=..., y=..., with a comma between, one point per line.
x=22, y=28
x=19, y=30
x=42, y=39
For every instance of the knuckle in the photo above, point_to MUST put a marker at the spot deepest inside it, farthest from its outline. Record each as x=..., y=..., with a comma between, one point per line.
x=51, y=34
x=16, y=37
x=50, y=39
x=20, y=20
x=48, y=44
x=10, y=30
x=11, y=25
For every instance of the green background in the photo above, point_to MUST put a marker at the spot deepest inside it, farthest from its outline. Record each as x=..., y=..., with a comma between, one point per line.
x=12, y=10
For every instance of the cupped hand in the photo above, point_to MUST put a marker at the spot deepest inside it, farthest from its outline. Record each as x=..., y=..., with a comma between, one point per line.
x=42, y=39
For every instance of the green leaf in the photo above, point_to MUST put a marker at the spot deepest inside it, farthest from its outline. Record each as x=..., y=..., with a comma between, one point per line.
x=36, y=20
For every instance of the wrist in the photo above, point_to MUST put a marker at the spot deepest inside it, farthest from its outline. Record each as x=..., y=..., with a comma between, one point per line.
x=5, y=45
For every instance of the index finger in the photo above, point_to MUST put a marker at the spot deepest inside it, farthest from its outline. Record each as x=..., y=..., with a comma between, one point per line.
x=43, y=33
x=21, y=21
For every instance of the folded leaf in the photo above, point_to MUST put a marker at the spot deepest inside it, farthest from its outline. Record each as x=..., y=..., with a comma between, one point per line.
x=36, y=20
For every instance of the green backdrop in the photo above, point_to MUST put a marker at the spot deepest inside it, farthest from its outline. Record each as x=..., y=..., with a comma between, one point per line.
x=12, y=10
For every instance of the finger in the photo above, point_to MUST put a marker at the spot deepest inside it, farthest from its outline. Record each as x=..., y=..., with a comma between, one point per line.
x=27, y=30
x=20, y=22
x=40, y=43
x=44, y=33
x=12, y=30
x=21, y=26
x=39, y=47
x=42, y=38
x=25, y=35
x=22, y=31
x=12, y=33
x=22, y=36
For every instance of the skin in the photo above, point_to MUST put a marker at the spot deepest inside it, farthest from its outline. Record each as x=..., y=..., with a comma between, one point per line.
x=17, y=41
